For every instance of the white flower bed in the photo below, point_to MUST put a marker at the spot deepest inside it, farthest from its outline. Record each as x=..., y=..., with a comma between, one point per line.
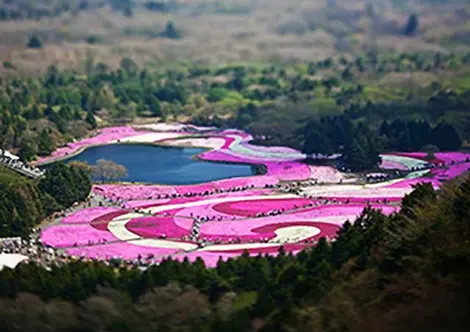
x=148, y=138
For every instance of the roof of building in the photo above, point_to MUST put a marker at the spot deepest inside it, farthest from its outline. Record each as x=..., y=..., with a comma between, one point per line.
x=9, y=154
x=11, y=260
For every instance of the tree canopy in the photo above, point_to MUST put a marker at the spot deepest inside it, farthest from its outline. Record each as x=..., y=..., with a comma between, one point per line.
x=34, y=42
x=25, y=202
x=412, y=264
x=412, y=25
x=107, y=170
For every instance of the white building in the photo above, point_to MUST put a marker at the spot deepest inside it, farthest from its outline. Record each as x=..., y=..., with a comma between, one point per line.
x=11, y=260
x=8, y=154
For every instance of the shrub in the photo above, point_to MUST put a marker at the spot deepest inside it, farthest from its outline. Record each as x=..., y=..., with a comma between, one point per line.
x=34, y=42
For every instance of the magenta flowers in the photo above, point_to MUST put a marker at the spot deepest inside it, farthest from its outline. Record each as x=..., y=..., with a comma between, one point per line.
x=221, y=219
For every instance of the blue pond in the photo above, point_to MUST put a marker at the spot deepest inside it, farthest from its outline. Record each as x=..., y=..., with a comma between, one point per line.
x=155, y=164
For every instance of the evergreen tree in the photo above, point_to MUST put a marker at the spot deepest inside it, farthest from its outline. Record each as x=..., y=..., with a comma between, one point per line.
x=404, y=141
x=36, y=112
x=59, y=121
x=90, y=119
x=347, y=74
x=420, y=134
x=128, y=12
x=412, y=25
x=129, y=66
x=76, y=114
x=384, y=129
x=65, y=112
x=65, y=184
x=45, y=143
x=356, y=155
x=171, y=31
x=421, y=193
x=154, y=105
x=446, y=137
x=34, y=42
x=317, y=142
x=28, y=150
x=372, y=152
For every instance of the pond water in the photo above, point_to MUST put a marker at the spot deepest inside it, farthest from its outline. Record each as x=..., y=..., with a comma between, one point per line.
x=163, y=165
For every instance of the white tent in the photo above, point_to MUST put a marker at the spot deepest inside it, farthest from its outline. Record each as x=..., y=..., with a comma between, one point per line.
x=8, y=154
x=11, y=156
x=11, y=260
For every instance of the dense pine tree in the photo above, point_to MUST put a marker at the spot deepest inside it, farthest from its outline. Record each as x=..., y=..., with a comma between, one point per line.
x=34, y=42
x=377, y=264
x=446, y=137
x=412, y=25
x=45, y=143
x=356, y=155
x=90, y=119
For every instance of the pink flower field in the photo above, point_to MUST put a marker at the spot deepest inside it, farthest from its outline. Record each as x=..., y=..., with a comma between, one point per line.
x=105, y=136
x=86, y=215
x=325, y=174
x=155, y=226
x=127, y=251
x=63, y=236
x=251, y=208
x=237, y=214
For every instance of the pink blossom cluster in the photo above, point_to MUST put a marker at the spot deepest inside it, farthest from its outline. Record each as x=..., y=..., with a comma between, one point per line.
x=98, y=242
x=86, y=215
x=325, y=174
x=156, y=226
x=451, y=171
x=132, y=192
x=105, y=136
x=93, y=240
x=122, y=250
x=283, y=170
x=251, y=208
x=63, y=236
x=230, y=216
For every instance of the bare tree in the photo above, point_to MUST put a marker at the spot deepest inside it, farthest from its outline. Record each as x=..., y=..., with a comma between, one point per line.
x=171, y=308
x=83, y=165
x=108, y=170
x=98, y=314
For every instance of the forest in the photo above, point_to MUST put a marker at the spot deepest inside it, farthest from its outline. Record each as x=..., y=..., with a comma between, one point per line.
x=353, y=77
x=24, y=203
x=358, y=282
x=40, y=114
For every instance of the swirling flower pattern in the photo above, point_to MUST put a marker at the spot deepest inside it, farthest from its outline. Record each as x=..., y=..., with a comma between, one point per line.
x=232, y=215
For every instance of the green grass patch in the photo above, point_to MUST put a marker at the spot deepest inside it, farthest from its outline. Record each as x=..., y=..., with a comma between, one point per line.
x=323, y=104
x=460, y=84
x=8, y=177
x=375, y=93
x=245, y=301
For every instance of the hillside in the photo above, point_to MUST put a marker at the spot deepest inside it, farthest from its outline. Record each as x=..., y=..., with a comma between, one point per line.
x=24, y=202
x=381, y=274
x=170, y=33
x=343, y=105
x=281, y=103
x=268, y=67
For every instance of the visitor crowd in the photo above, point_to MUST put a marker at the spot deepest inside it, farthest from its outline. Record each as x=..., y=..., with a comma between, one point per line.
x=188, y=194
x=47, y=256
x=33, y=248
